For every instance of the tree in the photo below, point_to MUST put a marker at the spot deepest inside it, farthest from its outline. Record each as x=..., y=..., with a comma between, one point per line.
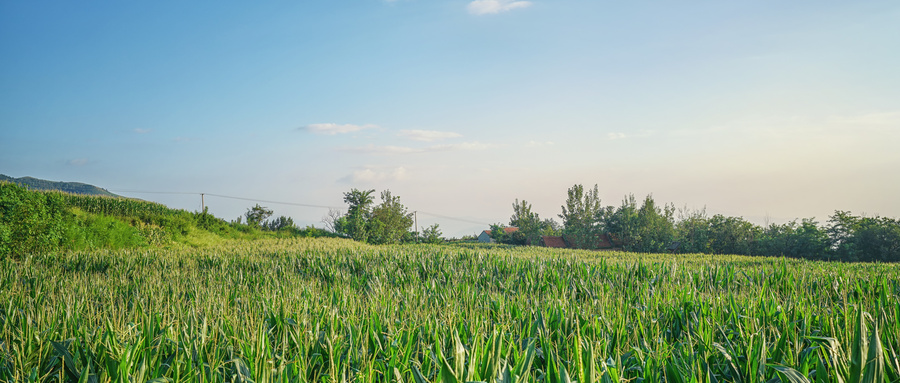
x=357, y=214
x=656, y=227
x=432, y=234
x=500, y=235
x=732, y=235
x=804, y=240
x=390, y=221
x=257, y=215
x=279, y=223
x=582, y=216
x=530, y=225
x=528, y=222
x=331, y=220
x=856, y=238
x=692, y=231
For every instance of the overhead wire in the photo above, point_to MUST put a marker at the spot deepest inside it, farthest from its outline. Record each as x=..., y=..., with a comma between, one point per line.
x=289, y=203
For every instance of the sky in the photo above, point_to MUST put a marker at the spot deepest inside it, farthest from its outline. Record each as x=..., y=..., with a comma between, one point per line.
x=766, y=110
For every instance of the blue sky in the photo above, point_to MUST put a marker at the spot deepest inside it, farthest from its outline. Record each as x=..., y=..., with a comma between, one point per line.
x=761, y=109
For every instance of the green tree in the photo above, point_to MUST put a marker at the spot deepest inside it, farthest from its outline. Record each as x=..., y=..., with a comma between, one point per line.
x=389, y=221
x=257, y=215
x=280, y=223
x=804, y=240
x=733, y=235
x=432, y=234
x=692, y=231
x=528, y=222
x=356, y=222
x=582, y=217
x=656, y=227
x=856, y=238
x=500, y=234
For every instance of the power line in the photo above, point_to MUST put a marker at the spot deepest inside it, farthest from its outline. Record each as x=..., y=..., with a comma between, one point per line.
x=288, y=203
x=226, y=196
x=276, y=202
x=152, y=192
x=451, y=218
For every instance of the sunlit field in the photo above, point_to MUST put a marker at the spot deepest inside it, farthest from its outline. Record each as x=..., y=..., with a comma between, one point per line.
x=332, y=310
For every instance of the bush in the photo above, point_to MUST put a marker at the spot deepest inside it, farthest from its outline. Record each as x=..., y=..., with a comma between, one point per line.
x=30, y=222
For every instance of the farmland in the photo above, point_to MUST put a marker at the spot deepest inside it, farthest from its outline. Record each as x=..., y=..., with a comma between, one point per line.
x=334, y=310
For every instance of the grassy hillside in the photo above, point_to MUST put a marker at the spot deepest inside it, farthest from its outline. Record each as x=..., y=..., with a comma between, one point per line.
x=40, y=222
x=332, y=310
x=66, y=187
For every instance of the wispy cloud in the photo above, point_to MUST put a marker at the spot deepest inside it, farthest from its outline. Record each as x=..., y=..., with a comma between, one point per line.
x=389, y=149
x=375, y=174
x=616, y=136
x=141, y=131
x=486, y=7
x=77, y=162
x=332, y=128
x=427, y=135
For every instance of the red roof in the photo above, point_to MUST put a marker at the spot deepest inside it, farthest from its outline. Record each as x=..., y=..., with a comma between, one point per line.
x=508, y=230
x=553, y=241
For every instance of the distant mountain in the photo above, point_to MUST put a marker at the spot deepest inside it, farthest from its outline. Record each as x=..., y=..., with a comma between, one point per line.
x=68, y=187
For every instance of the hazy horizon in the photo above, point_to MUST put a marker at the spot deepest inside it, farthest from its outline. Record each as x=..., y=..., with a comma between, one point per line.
x=764, y=110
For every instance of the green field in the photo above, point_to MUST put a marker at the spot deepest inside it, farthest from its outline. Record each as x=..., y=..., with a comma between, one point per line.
x=333, y=310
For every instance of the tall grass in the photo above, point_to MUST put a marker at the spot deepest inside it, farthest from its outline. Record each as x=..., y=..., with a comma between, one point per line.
x=328, y=310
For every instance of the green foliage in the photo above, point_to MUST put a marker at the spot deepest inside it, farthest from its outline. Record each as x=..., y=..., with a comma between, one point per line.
x=65, y=187
x=30, y=222
x=581, y=217
x=386, y=223
x=355, y=223
x=335, y=310
x=530, y=225
x=389, y=222
x=257, y=216
x=803, y=240
x=280, y=223
x=500, y=234
x=856, y=238
x=432, y=234
x=647, y=229
x=40, y=222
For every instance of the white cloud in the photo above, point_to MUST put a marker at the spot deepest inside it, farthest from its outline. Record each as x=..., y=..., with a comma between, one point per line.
x=616, y=136
x=374, y=174
x=332, y=128
x=77, y=162
x=141, y=131
x=427, y=135
x=485, y=7
x=389, y=149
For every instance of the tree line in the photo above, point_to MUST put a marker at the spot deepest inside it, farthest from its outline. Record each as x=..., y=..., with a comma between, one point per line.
x=388, y=222
x=653, y=228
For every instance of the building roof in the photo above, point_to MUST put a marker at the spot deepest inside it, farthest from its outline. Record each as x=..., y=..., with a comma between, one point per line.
x=553, y=241
x=508, y=230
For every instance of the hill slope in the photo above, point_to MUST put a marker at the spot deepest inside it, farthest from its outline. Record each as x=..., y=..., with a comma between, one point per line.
x=68, y=187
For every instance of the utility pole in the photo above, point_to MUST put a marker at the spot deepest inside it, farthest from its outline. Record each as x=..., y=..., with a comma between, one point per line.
x=202, y=204
x=416, y=216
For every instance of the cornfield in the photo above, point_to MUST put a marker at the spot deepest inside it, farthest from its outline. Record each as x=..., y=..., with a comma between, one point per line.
x=329, y=310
